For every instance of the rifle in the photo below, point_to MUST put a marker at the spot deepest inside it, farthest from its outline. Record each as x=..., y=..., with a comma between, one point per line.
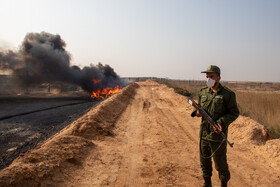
x=208, y=119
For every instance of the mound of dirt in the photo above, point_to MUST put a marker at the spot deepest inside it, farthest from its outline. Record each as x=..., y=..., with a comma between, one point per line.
x=261, y=144
x=32, y=168
x=245, y=129
x=69, y=146
x=271, y=151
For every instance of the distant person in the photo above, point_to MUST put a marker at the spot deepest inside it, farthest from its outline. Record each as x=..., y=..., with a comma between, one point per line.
x=220, y=103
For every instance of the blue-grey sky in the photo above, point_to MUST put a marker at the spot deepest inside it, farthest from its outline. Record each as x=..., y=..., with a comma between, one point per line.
x=162, y=38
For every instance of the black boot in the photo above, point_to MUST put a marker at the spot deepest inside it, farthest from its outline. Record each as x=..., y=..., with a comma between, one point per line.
x=224, y=184
x=207, y=182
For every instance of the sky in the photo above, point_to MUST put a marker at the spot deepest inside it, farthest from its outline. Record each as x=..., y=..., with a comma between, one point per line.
x=174, y=39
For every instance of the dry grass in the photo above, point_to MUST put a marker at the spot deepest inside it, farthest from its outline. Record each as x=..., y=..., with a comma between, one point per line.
x=262, y=107
x=260, y=101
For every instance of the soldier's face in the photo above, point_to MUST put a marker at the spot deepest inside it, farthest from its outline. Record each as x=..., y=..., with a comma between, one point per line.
x=213, y=76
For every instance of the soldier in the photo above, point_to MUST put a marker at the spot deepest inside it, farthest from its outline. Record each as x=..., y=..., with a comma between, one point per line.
x=220, y=103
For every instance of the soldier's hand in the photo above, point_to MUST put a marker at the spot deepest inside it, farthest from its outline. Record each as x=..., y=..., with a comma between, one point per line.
x=219, y=128
x=198, y=113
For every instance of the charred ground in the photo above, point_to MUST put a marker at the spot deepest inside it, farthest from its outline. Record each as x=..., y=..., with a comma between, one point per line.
x=27, y=121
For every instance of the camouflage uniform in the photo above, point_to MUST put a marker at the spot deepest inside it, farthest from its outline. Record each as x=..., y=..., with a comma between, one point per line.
x=222, y=107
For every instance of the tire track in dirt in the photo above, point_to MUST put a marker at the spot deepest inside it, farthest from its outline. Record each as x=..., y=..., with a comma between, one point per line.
x=128, y=173
x=174, y=153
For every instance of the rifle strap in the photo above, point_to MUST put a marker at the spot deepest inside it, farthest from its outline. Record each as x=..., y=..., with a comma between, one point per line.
x=207, y=157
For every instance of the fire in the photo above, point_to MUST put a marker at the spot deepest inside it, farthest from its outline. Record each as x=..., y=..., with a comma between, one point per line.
x=105, y=92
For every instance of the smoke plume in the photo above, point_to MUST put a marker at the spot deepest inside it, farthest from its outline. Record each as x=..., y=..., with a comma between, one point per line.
x=42, y=58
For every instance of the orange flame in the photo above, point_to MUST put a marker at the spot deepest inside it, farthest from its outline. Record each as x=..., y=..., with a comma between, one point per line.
x=105, y=92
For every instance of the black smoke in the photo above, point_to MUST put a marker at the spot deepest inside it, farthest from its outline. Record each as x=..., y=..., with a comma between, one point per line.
x=42, y=58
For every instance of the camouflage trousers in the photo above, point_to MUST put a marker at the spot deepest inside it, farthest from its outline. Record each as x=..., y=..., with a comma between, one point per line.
x=220, y=159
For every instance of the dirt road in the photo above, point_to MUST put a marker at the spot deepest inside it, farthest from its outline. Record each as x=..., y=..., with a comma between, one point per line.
x=149, y=141
x=155, y=143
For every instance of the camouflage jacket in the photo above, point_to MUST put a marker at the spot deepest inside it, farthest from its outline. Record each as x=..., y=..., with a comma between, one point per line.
x=221, y=106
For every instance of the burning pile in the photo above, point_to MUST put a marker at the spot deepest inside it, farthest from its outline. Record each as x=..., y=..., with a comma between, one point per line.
x=42, y=58
x=105, y=92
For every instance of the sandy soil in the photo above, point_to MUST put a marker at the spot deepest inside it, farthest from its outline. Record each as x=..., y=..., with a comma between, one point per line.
x=143, y=136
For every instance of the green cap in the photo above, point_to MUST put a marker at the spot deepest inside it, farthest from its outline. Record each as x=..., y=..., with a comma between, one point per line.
x=212, y=69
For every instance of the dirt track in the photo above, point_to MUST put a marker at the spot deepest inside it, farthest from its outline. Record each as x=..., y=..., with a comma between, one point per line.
x=143, y=136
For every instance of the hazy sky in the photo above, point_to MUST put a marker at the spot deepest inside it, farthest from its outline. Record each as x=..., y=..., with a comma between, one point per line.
x=162, y=38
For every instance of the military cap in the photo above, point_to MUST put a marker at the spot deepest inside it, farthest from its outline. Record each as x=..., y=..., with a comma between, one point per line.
x=212, y=69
